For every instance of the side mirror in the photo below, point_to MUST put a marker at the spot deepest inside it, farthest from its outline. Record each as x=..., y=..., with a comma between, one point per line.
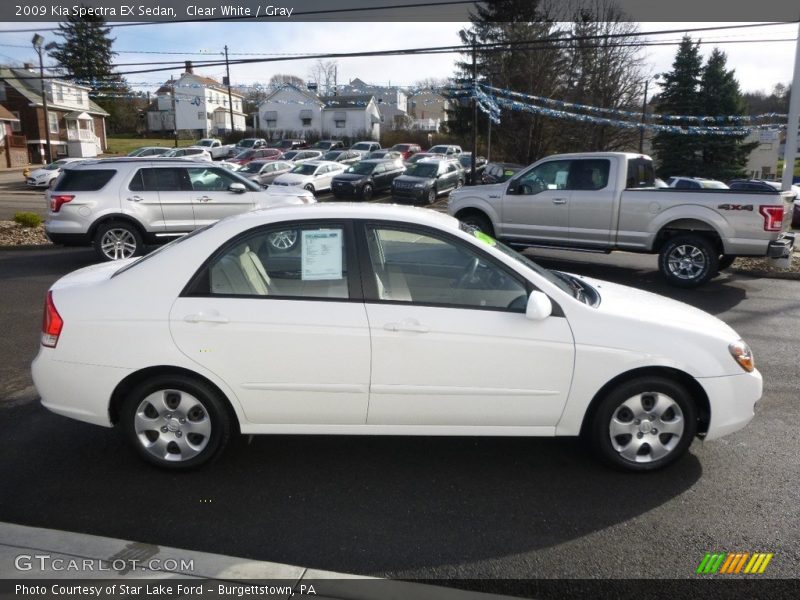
x=512, y=188
x=237, y=188
x=539, y=307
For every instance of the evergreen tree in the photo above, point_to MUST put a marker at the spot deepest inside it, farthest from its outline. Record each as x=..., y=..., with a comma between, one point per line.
x=85, y=55
x=679, y=154
x=723, y=157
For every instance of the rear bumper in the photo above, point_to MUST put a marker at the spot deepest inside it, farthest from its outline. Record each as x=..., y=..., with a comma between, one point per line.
x=782, y=247
x=733, y=400
x=69, y=239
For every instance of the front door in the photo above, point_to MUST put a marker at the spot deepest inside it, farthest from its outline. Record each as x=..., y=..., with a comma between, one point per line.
x=280, y=327
x=172, y=186
x=212, y=200
x=451, y=344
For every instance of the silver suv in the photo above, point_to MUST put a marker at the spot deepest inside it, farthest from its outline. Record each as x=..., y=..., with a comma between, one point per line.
x=118, y=205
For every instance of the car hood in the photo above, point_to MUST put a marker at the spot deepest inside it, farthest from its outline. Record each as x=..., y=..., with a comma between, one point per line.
x=350, y=177
x=40, y=172
x=648, y=308
x=413, y=179
x=291, y=178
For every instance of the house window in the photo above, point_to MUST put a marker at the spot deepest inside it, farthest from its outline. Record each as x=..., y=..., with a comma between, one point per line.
x=306, y=122
x=272, y=123
x=339, y=123
x=201, y=114
x=59, y=93
x=2, y=91
x=52, y=120
x=16, y=125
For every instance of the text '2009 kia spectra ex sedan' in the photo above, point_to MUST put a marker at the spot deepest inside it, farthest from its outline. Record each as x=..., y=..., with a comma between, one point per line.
x=352, y=319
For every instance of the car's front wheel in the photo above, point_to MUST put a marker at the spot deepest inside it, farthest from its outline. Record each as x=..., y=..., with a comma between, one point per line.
x=366, y=192
x=644, y=424
x=117, y=240
x=431, y=195
x=175, y=422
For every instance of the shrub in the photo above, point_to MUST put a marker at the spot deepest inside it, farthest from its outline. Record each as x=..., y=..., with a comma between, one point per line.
x=28, y=219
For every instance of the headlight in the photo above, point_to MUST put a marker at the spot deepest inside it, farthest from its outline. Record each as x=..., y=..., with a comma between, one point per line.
x=742, y=354
x=419, y=185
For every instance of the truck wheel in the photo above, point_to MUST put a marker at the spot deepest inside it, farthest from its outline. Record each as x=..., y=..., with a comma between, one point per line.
x=479, y=222
x=688, y=261
x=726, y=260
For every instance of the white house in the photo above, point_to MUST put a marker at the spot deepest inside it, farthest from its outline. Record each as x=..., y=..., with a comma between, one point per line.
x=200, y=104
x=428, y=109
x=392, y=102
x=763, y=160
x=291, y=109
x=351, y=116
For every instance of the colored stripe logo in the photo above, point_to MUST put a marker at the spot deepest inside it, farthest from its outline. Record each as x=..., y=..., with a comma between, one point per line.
x=734, y=563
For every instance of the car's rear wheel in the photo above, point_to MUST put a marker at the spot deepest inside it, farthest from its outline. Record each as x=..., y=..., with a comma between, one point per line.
x=175, y=422
x=117, y=240
x=688, y=260
x=644, y=424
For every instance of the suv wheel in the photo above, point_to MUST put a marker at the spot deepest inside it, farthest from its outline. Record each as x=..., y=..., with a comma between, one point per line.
x=366, y=193
x=117, y=240
x=432, y=195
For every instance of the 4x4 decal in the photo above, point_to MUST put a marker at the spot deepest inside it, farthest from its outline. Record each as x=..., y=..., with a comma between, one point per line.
x=736, y=207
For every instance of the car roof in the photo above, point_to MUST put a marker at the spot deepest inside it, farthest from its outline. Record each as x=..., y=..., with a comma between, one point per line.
x=154, y=160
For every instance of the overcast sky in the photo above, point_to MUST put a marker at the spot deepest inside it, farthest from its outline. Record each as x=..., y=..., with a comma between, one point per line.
x=759, y=66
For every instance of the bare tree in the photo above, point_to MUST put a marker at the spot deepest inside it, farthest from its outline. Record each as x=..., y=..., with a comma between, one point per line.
x=324, y=73
x=280, y=79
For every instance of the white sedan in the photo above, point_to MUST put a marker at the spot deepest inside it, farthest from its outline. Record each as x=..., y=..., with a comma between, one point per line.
x=381, y=320
x=43, y=176
x=313, y=175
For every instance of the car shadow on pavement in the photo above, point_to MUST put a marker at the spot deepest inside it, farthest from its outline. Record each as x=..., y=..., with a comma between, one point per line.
x=367, y=505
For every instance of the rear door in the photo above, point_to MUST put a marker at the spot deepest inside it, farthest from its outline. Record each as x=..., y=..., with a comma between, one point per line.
x=592, y=185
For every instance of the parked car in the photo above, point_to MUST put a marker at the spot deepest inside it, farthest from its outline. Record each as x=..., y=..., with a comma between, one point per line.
x=446, y=149
x=260, y=154
x=427, y=179
x=465, y=159
x=43, y=176
x=302, y=155
x=216, y=148
x=607, y=201
x=695, y=183
x=118, y=205
x=249, y=144
x=264, y=172
x=385, y=320
x=284, y=145
x=189, y=152
x=346, y=157
x=406, y=149
x=365, y=147
x=497, y=172
x=363, y=179
x=149, y=151
x=387, y=154
x=229, y=165
x=328, y=145
x=415, y=158
x=313, y=175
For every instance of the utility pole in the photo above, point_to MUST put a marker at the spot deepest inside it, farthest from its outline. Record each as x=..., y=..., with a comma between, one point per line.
x=472, y=175
x=792, y=124
x=644, y=118
x=228, y=83
x=37, y=45
x=174, y=112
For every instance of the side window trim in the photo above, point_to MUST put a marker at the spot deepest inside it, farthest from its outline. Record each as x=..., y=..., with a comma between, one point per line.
x=370, y=289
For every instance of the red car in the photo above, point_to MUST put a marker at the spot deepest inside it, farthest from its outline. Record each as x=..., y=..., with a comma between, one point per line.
x=261, y=154
x=406, y=150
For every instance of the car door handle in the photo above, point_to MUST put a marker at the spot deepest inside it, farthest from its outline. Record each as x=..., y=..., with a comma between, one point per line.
x=204, y=199
x=203, y=318
x=559, y=200
x=135, y=199
x=407, y=325
x=494, y=195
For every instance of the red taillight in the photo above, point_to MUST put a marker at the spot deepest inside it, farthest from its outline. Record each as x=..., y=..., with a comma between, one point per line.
x=51, y=323
x=58, y=200
x=773, y=217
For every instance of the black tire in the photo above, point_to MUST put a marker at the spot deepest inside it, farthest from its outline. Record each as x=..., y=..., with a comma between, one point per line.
x=431, y=198
x=309, y=187
x=688, y=260
x=621, y=407
x=366, y=192
x=725, y=261
x=479, y=222
x=116, y=240
x=187, y=401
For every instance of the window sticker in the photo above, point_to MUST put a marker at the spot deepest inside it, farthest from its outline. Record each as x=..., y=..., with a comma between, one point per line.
x=321, y=254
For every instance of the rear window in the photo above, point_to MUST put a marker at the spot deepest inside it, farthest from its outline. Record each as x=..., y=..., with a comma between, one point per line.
x=640, y=174
x=85, y=180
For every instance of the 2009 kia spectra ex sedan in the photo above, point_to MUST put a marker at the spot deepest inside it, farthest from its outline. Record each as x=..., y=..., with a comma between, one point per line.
x=352, y=319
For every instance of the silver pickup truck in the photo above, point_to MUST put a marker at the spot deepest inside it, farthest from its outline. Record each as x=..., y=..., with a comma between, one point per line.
x=606, y=201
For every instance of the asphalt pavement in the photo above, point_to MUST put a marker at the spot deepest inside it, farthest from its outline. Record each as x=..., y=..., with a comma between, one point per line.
x=423, y=508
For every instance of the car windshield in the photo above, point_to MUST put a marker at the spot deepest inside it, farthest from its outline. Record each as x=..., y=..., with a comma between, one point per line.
x=400, y=147
x=251, y=167
x=205, y=143
x=305, y=169
x=466, y=161
x=422, y=169
x=361, y=168
x=438, y=150
x=567, y=283
x=714, y=185
x=291, y=155
x=247, y=143
x=332, y=155
x=246, y=154
x=55, y=165
x=362, y=146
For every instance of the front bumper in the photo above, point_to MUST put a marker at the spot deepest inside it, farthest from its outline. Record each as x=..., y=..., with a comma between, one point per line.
x=733, y=400
x=416, y=194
